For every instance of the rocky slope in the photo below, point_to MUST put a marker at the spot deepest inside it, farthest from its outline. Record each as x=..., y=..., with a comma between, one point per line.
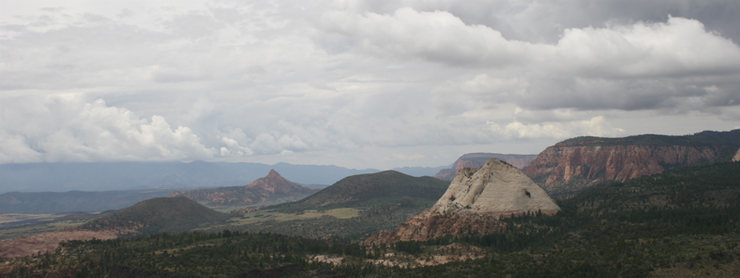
x=476, y=160
x=270, y=189
x=473, y=203
x=574, y=164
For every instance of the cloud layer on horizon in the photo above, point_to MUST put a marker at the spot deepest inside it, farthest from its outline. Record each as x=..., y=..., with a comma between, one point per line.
x=330, y=81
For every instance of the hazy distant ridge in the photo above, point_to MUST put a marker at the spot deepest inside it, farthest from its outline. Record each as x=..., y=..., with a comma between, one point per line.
x=89, y=176
x=59, y=177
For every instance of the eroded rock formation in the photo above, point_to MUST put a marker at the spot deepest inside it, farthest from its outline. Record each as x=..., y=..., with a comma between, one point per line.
x=473, y=204
x=574, y=164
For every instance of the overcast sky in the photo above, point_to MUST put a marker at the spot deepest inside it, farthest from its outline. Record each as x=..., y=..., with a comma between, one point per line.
x=358, y=84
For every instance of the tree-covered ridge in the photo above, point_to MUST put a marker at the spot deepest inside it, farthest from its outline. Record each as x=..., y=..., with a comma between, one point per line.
x=360, y=190
x=712, y=186
x=159, y=215
x=704, y=138
x=223, y=254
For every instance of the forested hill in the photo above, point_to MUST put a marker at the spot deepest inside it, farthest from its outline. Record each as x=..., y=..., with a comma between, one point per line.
x=159, y=215
x=365, y=189
x=711, y=186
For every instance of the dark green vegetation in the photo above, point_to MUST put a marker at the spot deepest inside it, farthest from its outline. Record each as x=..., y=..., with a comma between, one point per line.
x=384, y=200
x=224, y=254
x=680, y=223
x=730, y=139
x=159, y=215
x=368, y=189
x=73, y=201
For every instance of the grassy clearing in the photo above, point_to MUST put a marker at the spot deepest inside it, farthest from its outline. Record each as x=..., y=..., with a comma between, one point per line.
x=263, y=216
x=15, y=217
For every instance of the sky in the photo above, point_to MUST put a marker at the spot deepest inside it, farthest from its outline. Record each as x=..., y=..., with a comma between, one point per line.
x=360, y=84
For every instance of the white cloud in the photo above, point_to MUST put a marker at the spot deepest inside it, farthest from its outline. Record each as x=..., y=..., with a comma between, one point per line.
x=354, y=82
x=679, y=47
x=68, y=128
x=436, y=36
x=596, y=126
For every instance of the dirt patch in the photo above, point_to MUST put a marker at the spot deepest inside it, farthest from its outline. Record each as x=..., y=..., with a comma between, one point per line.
x=47, y=242
x=327, y=259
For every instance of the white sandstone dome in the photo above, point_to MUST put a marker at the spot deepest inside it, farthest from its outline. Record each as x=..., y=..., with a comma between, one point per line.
x=497, y=188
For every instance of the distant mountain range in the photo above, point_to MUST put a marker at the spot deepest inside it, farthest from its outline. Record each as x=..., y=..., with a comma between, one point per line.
x=73, y=201
x=105, y=176
x=476, y=160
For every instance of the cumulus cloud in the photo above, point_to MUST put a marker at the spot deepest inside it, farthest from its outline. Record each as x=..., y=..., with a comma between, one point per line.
x=545, y=21
x=356, y=83
x=596, y=126
x=68, y=128
x=679, y=47
x=437, y=36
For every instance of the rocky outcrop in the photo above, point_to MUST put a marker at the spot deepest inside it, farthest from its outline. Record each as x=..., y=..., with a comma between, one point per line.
x=267, y=190
x=430, y=225
x=274, y=183
x=496, y=188
x=476, y=160
x=736, y=158
x=473, y=204
x=574, y=164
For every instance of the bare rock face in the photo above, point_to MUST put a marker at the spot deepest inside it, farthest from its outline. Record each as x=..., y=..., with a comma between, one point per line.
x=736, y=158
x=497, y=188
x=476, y=160
x=430, y=225
x=473, y=204
x=574, y=164
x=274, y=183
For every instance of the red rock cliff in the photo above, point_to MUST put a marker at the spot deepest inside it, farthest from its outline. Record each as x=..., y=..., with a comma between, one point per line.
x=577, y=163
